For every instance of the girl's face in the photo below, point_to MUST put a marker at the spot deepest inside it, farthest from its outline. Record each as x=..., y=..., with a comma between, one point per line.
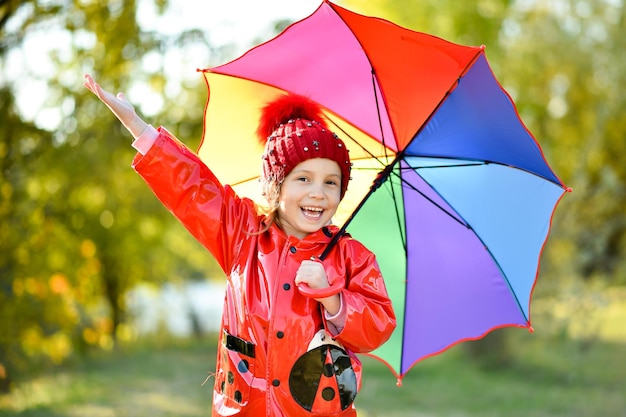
x=309, y=196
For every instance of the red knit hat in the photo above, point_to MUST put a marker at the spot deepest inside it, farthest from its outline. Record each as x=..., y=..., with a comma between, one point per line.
x=293, y=131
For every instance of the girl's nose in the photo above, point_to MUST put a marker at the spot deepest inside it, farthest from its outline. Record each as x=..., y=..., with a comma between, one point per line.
x=316, y=191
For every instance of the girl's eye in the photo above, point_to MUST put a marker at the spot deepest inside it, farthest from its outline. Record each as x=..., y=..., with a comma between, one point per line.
x=331, y=182
x=304, y=179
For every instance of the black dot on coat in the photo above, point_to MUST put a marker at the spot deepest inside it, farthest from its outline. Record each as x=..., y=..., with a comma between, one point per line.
x=328, y=393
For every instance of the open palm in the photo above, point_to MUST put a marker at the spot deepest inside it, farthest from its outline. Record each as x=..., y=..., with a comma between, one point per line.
x=118, y=104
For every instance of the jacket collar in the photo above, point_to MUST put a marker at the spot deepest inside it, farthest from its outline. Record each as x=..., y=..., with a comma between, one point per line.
x=322, y=236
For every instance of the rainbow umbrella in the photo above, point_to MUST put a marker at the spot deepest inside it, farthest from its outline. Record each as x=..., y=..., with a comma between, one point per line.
x=449, y=188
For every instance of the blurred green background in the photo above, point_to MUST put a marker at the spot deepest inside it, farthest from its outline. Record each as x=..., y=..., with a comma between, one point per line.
x=79, y=230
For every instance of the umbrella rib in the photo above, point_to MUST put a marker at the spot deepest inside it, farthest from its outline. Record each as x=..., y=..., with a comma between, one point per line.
x=469, y=164
x=234, y=184
x=486, y=162
x=378, y=182
x=363, y=148
x=380, y=125
x=383, y=141
x=433, y=202
x=380, y=121
x=398, y=216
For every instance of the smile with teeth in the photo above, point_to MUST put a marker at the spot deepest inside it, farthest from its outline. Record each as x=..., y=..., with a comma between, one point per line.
x=312, y=212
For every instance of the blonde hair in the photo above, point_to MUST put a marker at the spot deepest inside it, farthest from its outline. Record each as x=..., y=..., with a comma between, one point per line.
x=271, y=191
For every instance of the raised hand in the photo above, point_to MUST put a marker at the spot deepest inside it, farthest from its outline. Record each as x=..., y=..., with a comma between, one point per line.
x=121, y=108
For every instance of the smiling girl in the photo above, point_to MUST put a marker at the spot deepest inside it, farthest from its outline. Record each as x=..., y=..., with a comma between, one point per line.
x=291, y=323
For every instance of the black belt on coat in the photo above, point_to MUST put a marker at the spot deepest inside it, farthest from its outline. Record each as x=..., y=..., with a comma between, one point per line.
x=237, y=344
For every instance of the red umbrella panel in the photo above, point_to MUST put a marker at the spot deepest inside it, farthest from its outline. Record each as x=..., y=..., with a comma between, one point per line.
x=449, y=188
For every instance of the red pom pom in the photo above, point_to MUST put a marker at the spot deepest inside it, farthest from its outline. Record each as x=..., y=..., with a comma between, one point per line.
x=284, y=108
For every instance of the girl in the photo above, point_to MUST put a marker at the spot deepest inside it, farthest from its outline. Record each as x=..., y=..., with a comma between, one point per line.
x=291, y=323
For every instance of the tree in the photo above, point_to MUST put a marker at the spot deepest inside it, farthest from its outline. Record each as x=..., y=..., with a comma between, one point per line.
x=78, y=227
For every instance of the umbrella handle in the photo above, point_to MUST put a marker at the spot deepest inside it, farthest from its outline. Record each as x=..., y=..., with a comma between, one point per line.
x=335, y=288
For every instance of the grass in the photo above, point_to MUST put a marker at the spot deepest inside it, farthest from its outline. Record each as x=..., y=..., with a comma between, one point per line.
x=137, y=381
x=545, y=380
x=549, y=377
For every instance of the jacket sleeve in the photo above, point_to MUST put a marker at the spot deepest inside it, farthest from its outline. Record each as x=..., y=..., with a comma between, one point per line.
x=213, y=214
x=370, y=319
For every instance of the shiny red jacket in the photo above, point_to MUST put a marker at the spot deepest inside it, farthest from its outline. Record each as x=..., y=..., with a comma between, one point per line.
x=268, y=363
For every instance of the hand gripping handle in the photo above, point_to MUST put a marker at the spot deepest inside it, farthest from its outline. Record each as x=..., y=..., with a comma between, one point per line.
x=333, y=289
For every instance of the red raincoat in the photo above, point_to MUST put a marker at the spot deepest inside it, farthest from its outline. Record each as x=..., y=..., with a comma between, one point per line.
x=265, y=366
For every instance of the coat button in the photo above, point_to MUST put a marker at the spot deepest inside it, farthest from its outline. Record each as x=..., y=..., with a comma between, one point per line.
x=276, y=382
x=280, y=335
x=286, y=287
x=292, y=249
